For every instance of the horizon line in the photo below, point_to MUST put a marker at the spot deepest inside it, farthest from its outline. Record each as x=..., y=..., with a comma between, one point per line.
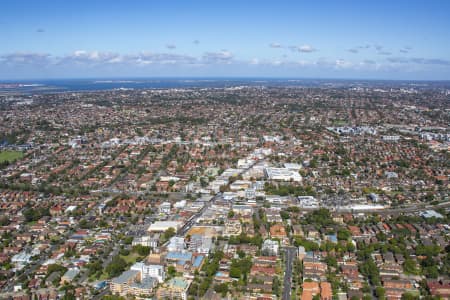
x=223, y=78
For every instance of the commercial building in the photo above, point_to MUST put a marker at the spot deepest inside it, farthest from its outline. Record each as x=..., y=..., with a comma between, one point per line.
x=282, y=174
x=176, y=244
x=154, y=271
x=161, y=226
x=131, y=282
x=175, y=288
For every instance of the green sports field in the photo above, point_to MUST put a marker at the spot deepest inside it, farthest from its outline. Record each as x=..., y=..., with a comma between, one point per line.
x=10, y=155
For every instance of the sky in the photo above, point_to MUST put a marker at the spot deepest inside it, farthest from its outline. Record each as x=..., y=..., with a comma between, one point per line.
x=383, y=39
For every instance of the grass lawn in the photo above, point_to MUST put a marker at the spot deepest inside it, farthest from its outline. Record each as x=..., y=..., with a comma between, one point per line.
x=131, y=258
x=104, y=276
x=98, y=276
x=10, y=155
x=340, y=123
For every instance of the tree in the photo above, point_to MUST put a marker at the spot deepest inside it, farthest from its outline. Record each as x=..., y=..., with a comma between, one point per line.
x=309, y=245
x=366, y=288
x=113, y=297
x=319, y=218
x=124, y=252
x=94, y=267
x=69, y=295
x=380, y=292
x=431, y=272
x=235, y=272
x=141, y=250
x=240, y=253
x=331, y=261
x=240, y=268
x=116, y=266
x=171, y=271
x=432, y=250
x=221, y=288
x=84, y=224
x=128, y=240
x=170, y=232
x=350, y=247
x=284, y=215
x=369, y=269
x=343, y=234
x=204, y=286
x=410, y=267
x=34, y=214
x=409, y=296
x=70, y=252
x=55, y=268
x=276, y=285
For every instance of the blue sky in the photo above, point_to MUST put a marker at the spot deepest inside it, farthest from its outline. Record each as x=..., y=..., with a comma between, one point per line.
x=329, y=39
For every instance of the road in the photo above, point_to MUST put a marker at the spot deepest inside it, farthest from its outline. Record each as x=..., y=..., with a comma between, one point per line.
x=183, y=230
x=388, y=211
x=287, y=283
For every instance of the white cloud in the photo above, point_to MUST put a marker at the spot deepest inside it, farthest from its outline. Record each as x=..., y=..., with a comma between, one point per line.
x=222, y=56
x=306, y=48
x=343, y=64
x=90, y=57
x=275, y=45
x=303, y=48
x=146, y=58
x=79, y=53
x=26, y=58
x=103, y=60
x=419, y=61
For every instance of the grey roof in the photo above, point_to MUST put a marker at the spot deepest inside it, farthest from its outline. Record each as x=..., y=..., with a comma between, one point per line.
x=71, y=273
x=125, y=277
x=431, y=213
x=146, y=283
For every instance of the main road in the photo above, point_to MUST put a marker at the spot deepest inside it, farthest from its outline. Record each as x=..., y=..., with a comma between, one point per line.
x=193, y=220
x=287, y=283
x=413, y=208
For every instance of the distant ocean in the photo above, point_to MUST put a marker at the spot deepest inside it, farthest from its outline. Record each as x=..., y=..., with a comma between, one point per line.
x=78, y=85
